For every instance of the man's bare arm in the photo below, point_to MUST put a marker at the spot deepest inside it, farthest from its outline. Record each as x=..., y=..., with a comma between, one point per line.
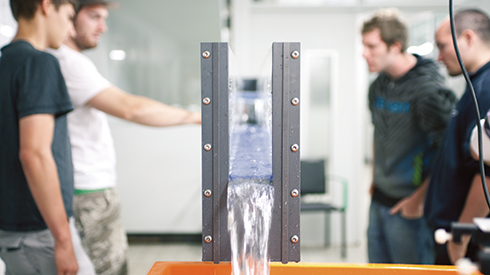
x=139, y=109
x=475, y=206
x=36, y=136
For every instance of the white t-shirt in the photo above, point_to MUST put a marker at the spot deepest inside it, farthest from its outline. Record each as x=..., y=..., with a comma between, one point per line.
x=94, y=158
x=485, y=142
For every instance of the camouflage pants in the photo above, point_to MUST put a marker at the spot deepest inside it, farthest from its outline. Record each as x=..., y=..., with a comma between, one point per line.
x=99, y=224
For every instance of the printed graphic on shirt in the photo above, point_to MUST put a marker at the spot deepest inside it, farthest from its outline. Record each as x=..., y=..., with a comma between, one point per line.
x=395, y=107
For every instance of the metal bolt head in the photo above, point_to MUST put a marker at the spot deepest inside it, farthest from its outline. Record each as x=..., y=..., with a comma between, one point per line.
x=230, y=85
x=295, y=101
x=294, y=193
x=295, y=54
x=207, y=193
x=208, y=239
x=207, y=147
x=295, y=147
x=206, y=100
x=294, y=239
x=206, y=54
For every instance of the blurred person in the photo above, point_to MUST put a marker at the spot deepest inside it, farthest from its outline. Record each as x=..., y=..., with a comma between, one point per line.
x=37, y=232
x=96, y=204
x=410, y=107
x=455, y=192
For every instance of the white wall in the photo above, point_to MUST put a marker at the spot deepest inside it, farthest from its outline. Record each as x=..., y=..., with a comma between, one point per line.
x=8, y=25
x=159, y=177
x=159, y=170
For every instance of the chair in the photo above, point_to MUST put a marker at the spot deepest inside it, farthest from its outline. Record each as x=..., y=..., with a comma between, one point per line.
x=313, y=181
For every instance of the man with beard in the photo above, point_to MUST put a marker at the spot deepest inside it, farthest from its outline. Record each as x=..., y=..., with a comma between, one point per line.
x=96, y=204
x=455, y=192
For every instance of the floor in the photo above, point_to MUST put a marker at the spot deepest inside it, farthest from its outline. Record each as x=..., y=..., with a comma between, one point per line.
x=142, y=257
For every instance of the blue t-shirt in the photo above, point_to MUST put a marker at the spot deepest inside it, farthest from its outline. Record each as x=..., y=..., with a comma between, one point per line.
x=30, y=83
x=454, y=167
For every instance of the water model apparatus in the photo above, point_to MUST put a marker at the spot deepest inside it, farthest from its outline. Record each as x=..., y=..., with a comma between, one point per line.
x=216, y=85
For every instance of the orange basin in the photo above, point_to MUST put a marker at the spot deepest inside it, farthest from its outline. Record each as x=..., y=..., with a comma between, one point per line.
x=207, y=268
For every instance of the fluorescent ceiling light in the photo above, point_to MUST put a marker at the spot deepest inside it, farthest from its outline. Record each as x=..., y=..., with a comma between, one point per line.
x=117, y=55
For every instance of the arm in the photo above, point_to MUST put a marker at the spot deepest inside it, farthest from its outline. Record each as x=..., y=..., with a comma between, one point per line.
x=412, y=207
x=36, y=135
x=433, y=110
x=371, y=189
x=142, y=110
x=475, y=206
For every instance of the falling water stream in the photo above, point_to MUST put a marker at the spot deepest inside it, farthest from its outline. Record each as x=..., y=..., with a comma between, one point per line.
x=249, y=210
x=250, y=190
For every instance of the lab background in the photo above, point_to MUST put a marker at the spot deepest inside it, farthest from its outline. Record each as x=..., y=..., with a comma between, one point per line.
x=152, y=48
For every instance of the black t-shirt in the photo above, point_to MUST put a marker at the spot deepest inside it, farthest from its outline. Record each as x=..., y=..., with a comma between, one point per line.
x=30, y=83
x=454, y=167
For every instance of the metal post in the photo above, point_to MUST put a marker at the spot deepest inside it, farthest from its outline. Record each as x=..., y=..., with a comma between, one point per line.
x=285, y=246
x=215, y=155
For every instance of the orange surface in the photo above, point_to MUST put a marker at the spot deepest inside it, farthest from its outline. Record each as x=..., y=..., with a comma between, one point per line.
x=207, y=268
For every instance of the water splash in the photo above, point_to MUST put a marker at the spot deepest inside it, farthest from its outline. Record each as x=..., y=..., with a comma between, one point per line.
x=249, y=220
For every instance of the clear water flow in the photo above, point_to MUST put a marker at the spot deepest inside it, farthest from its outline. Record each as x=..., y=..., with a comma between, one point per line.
x=250, y=190
x=249, y=220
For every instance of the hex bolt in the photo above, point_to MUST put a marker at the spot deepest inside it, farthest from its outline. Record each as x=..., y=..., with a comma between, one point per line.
x=295, y=147
x=206, y=100
x=295, y=54
x=208, y=239
x=207, y=193
x=295, y=101
x=294, y=193
x=294, y=239
x=206, y=54
x=207, y=147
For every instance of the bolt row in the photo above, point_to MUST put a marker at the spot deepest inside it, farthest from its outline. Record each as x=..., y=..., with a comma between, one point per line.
x=207, y=54
x=209, y=238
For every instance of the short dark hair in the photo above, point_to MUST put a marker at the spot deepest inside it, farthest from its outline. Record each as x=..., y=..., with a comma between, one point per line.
x=391, y=26
x=27, y=8
x=107, y=3
x=475, y=20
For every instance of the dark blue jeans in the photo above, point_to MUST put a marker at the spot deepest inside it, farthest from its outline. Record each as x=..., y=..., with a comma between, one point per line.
x=395, y=239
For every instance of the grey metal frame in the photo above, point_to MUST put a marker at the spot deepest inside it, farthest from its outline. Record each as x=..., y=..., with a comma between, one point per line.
x=285, y=246
x=285, y=161
x=215, y=166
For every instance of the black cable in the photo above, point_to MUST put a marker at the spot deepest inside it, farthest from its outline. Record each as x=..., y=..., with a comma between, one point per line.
x=475, y=103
